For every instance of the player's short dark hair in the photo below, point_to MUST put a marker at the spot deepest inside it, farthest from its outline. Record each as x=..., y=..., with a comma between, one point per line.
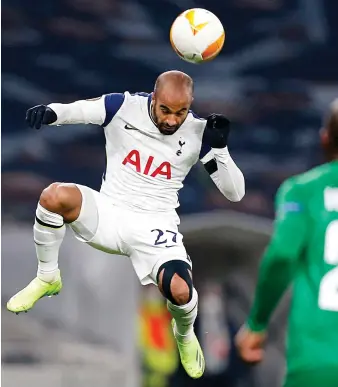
x=332, y=124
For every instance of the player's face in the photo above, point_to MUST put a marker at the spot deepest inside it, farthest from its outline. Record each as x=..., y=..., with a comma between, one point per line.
x=169, y=113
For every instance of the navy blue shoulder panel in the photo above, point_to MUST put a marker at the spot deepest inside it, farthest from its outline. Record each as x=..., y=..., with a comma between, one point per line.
x=141, y=94
x=195, y=115
x=112, y=103
x=205, y=148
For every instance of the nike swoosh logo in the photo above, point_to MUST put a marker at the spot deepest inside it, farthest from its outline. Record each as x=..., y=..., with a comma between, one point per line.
x=130, y=127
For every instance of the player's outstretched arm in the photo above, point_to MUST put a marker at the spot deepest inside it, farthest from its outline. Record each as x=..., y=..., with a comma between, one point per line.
x=280, y=260
x=99, y=111
x=276, y=270
x=79, y=112
x=222, y=169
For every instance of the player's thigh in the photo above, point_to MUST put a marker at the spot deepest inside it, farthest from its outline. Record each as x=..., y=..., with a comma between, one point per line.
x=153, y=241
x=97, y=223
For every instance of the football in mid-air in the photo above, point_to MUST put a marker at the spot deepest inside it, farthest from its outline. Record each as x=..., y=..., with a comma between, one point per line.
x=197, y=35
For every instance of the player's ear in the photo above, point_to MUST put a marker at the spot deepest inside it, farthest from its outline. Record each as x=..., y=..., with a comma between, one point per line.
x=323, y=134
x=324, y=138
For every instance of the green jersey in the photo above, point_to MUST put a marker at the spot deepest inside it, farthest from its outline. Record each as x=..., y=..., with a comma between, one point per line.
x=303, y=251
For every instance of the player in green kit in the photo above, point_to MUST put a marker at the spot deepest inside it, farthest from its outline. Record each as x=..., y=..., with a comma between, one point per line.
x=303, y=252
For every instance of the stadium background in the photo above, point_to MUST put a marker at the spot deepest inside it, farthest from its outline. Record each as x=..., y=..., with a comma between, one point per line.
x=273, y=79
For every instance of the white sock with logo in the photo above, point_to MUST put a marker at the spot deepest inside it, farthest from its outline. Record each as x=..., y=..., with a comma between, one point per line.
x=185, y=316
x=49, y=231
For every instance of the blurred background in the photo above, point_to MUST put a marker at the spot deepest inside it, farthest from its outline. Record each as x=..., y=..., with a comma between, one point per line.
x=274, y=79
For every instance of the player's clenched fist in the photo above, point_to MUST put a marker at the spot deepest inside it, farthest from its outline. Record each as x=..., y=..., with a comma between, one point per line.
x=217, y=131
x=40, y=115
x=250, y=345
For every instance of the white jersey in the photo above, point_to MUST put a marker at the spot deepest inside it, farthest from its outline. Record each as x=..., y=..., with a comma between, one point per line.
x=146, y=169
x=134, y=214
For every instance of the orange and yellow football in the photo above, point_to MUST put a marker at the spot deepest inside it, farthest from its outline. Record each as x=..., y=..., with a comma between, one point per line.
x=197, y=35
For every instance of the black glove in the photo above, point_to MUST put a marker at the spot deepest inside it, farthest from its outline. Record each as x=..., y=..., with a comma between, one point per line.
x=40, y=115
x=217, y=131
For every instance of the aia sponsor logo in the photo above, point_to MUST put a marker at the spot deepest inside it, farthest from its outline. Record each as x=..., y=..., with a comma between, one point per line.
x=133, y=158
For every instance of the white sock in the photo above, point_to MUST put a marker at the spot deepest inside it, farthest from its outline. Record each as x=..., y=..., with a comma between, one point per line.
x=185, y=316
x=49, y=231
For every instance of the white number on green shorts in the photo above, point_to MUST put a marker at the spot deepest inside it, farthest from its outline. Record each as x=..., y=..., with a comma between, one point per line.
x=328, y=290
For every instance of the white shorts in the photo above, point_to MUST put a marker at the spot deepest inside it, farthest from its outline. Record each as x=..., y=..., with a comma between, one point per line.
x=148, y=239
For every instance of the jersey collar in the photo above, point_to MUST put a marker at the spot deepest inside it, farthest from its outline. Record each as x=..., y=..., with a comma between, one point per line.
x=149, y=108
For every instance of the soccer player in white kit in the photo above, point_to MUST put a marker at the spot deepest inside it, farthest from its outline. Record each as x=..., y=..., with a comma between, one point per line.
x=152, y=141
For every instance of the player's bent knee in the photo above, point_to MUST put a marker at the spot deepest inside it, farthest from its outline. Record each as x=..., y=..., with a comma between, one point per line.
x=175, y=281
x=179, y=290
x=48, y=197
x=61, y=198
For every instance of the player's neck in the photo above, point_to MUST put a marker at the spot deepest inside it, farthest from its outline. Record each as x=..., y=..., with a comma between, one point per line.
x=333, y=157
